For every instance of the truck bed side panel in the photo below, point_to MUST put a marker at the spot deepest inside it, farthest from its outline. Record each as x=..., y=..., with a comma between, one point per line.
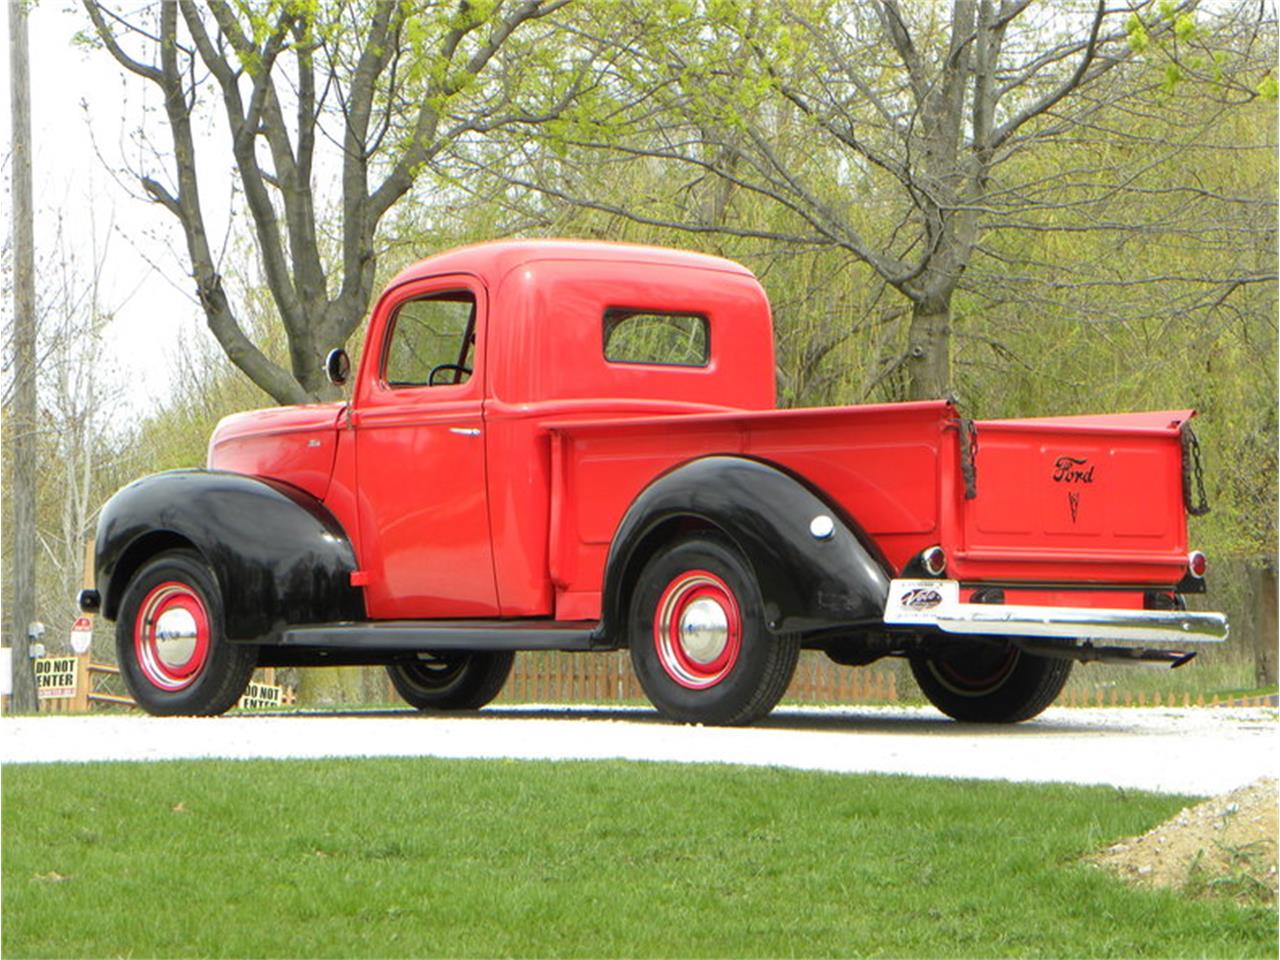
x=882, y=463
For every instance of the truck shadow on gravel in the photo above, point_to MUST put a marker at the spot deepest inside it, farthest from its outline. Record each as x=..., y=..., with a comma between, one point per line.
x=783, y=719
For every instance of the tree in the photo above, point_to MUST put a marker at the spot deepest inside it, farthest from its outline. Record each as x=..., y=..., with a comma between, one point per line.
x=387, y=87
x=78, y=453
x=897, y=136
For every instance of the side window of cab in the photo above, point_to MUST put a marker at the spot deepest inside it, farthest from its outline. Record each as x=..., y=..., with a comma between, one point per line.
x=432, y=341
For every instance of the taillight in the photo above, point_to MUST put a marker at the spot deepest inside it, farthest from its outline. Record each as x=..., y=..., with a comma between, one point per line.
x=1197, y=564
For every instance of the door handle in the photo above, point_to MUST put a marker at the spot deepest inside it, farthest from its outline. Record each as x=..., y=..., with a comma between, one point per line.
x=465, y=431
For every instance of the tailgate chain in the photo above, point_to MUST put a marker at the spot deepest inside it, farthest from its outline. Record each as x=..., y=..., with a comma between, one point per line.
x=969, y=457
x=1192, y=468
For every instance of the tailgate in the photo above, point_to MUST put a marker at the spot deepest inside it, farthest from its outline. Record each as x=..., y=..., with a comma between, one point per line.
x=1095, y=499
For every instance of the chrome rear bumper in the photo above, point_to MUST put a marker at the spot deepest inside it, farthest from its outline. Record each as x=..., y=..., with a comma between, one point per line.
x=936, y=604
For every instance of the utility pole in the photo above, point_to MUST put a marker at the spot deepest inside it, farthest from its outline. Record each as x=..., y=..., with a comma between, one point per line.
x=22, y=423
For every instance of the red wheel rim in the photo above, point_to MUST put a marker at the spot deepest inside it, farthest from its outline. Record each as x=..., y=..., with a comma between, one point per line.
x=171, y=636
x=697, y=630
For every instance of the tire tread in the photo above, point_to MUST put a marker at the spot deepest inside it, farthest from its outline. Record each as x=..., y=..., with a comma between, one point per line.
x=1034, y=684
x=484, y=677
x=781, y=651
x=230, y=665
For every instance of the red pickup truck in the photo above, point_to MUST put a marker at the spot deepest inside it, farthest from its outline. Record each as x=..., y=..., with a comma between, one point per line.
x=574, y=446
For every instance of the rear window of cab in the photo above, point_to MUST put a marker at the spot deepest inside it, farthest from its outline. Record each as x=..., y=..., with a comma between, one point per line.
x=655, y=338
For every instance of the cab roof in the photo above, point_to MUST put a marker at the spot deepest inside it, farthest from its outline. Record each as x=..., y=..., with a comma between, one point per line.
x=494, y=260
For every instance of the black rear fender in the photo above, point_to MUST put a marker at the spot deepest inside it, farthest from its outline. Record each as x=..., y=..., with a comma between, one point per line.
x=808, y=583
x=279, y=556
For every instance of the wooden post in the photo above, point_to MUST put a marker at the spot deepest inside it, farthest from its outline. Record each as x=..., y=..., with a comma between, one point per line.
x=84, y=678
x=21, y=474
x=1262, y=579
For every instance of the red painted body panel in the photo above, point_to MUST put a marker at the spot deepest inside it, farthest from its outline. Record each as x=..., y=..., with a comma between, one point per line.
x=1074, y=499
x=880, y=461
x=420, y=476
x=294, y=444
x=501, y=496
x=547, y=327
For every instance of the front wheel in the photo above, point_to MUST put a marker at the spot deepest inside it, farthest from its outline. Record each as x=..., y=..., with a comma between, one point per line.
x=699, y=642
x=991, y=684
x=451, y=681
x=172, y=649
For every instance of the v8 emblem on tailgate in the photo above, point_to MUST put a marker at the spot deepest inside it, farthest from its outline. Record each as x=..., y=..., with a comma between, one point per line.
x=1073, y=499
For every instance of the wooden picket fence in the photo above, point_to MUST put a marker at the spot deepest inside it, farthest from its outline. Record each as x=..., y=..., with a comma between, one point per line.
x=608, y=678
x=1126, y=698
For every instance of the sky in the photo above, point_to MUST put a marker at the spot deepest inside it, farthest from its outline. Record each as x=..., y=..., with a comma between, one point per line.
x=82, y=112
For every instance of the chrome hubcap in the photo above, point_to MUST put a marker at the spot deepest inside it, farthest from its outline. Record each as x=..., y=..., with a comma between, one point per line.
x=176, y=634
x=171, y=636
x=704, y=630
x=697, y=630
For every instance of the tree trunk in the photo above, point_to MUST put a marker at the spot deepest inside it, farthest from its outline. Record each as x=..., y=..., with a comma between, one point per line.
x=1262, y=575
x=22, y=424
x=929, y=349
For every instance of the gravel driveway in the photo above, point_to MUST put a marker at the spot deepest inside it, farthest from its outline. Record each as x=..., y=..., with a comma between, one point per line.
x=1195, y=751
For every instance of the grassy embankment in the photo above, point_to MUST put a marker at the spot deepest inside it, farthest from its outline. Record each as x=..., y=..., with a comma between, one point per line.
x=432, y=857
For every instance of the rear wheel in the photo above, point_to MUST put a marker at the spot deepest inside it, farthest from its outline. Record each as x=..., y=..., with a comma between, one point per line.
x=995, y=684
x=170, y=642
x=699, y=642
x=451, y=681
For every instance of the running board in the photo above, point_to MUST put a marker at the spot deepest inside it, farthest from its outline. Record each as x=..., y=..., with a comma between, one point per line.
x=421, y=635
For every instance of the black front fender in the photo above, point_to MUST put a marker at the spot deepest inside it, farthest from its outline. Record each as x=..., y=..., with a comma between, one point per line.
x=279, y=556
x=807, y=584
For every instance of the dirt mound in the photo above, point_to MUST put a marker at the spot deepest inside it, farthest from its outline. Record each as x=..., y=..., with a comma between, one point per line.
x=1225, y=846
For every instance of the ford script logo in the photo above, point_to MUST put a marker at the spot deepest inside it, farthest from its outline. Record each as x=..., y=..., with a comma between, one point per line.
x=1072, y=470
x=921, y=599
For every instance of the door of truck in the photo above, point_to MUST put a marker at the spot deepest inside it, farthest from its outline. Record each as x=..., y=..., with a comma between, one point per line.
x=420, y=455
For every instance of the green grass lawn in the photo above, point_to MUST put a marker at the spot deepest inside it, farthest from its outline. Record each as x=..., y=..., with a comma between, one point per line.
x=468, y=858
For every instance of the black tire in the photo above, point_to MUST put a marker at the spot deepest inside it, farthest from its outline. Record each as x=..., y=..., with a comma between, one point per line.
x=451, y=681
x=728, y=676
x=991, y=684
x=163, y=675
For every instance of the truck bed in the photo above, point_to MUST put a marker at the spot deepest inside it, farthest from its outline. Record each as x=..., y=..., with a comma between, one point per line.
x=1056, y=503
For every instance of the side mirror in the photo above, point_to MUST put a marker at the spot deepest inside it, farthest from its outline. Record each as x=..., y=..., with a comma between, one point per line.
x=337, y=365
